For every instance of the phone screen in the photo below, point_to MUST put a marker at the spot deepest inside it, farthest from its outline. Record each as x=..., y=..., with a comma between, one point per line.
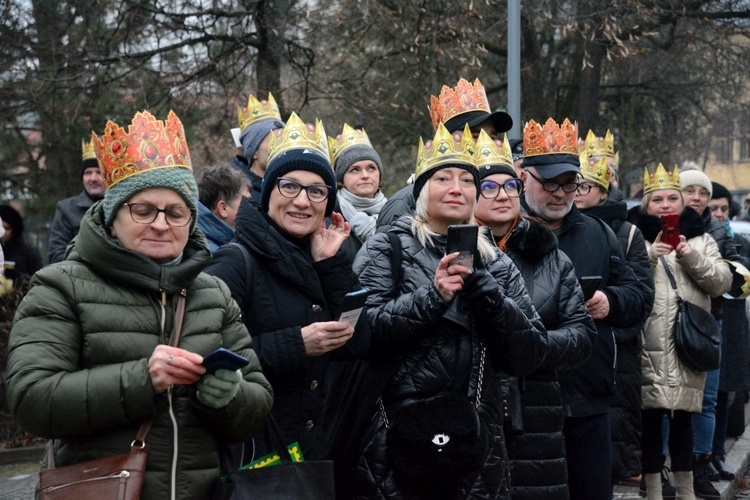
x=462, y=238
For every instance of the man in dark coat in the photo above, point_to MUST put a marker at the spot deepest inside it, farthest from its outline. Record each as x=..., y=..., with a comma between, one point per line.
x=551, y=176
x=69, y=211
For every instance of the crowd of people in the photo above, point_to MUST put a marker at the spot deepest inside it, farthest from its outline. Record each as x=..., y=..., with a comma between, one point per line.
x=543, y=366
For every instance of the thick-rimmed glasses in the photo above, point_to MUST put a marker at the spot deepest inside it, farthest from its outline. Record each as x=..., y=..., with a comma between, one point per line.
x=146, y=213
x=584, y=188
x=316, y=193
x=551, y=187
x=490, y=189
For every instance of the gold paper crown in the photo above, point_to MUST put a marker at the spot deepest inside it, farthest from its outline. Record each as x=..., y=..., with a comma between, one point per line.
x=599, y=146
x=297, y=135
x=445, y=150
x=550, y=139
x=257, y=110
x=453, y=102
x=596, y=171
x=489, y=153
x=87, y=150
x=661, y=179
x=148, y=144
x=349, y=137
x=617, y=160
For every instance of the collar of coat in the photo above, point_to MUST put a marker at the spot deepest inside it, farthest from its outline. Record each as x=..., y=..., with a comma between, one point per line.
x=691, y=223
x=532, y=238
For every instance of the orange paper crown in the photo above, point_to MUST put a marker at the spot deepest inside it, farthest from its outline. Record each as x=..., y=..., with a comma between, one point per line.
x=550, y=139
x=599, y=146
x=661, y=179
x=148, y=144
x=453, y=102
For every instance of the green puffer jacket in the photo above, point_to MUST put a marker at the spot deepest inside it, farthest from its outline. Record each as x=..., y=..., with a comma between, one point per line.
x=79, y=351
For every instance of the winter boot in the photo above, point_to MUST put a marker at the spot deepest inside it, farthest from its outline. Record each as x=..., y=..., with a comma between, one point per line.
x=683, y=482
x=724, y=473
x=667, y=490
x=653, y=486
x=701, y=484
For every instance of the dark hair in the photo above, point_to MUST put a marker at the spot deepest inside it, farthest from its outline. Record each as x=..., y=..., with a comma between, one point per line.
x=220, y=183
x=14, y=220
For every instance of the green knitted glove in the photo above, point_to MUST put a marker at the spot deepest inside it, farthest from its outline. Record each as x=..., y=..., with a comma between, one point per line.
x=218, y=389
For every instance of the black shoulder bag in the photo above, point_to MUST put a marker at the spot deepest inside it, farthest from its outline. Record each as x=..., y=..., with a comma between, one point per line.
x=697, y=336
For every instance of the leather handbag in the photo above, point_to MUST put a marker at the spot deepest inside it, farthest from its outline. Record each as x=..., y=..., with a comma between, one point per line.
x=696, y=334
x=119, y=477
x=300, y=480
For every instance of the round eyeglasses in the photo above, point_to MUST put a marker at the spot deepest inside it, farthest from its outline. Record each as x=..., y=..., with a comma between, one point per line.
x=490, y=189
x=145, y=213
x=551, y=187
x=316, y=193
x=584, y=188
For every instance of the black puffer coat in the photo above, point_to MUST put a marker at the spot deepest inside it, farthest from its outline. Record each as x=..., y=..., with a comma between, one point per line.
x=625, y=403
x=285, y=291
x=734, y=375
x=435, y=346
x=537, y=457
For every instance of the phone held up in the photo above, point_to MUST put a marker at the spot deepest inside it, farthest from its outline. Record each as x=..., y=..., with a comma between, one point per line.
x=670, y=229
x=462, y=238
x=589, y=285
x=352, y=306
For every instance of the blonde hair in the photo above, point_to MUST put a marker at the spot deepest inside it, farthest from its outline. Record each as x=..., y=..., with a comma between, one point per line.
x=421, y=229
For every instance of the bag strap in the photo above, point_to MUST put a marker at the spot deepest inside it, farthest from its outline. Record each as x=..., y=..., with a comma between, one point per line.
x=248, y=269
x=670, y=276
x=630, y=240
x=139, y=442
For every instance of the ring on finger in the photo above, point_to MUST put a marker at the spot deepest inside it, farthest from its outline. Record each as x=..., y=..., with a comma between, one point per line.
x=170, y=358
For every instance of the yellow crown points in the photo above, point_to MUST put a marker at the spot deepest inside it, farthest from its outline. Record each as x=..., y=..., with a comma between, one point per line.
x=296, y=134
x=452, y=102
x=87, y=150
x=596, y=170
x=599, y=146
x=257, y=111
x=488, y=152
x=445, y=149
x=661, y=179
x=550, y=139
x=616, y=161
x=349, y=137
x=148, y=144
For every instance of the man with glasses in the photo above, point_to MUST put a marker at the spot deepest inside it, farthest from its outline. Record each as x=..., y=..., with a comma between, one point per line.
x=551, y=176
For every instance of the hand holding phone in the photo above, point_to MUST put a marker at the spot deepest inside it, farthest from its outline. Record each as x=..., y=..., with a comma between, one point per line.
x=589, y=285
x=223, y=359
x=462, y=238
x=670, y=229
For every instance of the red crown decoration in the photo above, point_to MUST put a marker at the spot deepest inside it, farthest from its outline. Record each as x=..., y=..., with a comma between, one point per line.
x=148, y=144
x=550, y=139
x=453, y=102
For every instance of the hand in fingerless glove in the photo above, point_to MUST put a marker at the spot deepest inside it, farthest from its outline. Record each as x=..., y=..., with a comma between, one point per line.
x=482, y=291
x=218, y=389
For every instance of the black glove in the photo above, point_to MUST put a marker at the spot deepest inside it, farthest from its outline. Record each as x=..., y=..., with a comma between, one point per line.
x=482, y=291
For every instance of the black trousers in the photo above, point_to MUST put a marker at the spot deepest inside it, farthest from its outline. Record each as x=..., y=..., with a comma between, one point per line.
x=680, y=440
x=588, y=449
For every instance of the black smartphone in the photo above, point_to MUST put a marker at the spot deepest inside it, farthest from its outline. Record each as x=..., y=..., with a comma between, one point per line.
x=589, y=285
x=223, y=359
x=462, y=238
x=352, y=306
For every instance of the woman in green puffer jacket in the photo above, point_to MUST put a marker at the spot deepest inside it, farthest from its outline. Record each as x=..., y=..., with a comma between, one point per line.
x=88, y=356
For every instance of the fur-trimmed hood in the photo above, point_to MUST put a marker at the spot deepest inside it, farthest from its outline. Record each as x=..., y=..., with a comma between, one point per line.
x=532, y=238
x=691, y=223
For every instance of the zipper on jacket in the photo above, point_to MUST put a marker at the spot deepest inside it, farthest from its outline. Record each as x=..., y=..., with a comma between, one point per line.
x=175, y=435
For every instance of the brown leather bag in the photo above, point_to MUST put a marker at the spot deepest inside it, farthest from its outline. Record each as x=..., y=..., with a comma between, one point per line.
x=119, y=477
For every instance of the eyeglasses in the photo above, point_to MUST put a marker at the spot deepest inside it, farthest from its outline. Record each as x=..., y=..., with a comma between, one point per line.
x=584, y=188
x=316, y=193
x=145, y=213
x=551, y=187
x=490, y=189
x=691, y=191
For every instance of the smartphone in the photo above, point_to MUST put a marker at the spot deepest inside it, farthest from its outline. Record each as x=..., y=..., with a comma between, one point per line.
x=223, y=359
x=352, y=305
x=670, y=229
x=462, y=238
x=589, y=285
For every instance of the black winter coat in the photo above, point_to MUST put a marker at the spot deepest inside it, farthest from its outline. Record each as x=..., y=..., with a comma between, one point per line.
x=729, y=250
x=285, y=291
x=594, y=250
x=435, y=346
x=734, y=375
x=537, y=457
x=625, y=403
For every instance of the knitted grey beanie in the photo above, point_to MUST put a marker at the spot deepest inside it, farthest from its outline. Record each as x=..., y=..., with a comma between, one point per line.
x=252, y=135
x=353, y=154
